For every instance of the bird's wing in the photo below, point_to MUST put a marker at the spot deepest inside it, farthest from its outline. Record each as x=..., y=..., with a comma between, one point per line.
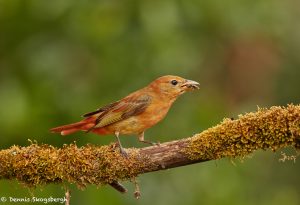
x=123, y=109
x=101, y=109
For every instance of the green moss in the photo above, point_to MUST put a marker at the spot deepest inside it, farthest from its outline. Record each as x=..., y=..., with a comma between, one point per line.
x=42, y=164
x=272, y=128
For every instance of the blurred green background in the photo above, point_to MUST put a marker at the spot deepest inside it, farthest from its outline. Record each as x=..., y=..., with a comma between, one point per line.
x=62, y=58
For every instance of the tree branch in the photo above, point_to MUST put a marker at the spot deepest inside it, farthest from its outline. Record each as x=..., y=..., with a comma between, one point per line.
x=34, y=165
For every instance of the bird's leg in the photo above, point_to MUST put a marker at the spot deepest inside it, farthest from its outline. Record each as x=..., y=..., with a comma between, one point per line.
x=141, y=139
x=122, y=150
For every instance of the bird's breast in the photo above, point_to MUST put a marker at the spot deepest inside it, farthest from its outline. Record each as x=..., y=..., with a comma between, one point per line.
x=139, y=123
x=155, y=113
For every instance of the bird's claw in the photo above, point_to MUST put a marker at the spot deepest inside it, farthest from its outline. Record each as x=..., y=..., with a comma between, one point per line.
x=124, y=153
x=151, y=143
x=156, y=143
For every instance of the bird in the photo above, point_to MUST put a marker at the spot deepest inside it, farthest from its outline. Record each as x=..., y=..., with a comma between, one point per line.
x=135, y=113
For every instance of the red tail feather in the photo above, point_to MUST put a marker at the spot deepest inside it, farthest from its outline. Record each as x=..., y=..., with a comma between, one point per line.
x=71, y=128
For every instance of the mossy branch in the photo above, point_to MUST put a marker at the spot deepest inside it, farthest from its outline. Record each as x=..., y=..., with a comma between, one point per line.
x=34, y=165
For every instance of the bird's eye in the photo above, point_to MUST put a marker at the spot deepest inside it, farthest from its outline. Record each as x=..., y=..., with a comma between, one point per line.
x=174, y=82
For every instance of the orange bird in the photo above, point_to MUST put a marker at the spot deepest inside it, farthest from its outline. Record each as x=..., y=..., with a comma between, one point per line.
x=135, y=113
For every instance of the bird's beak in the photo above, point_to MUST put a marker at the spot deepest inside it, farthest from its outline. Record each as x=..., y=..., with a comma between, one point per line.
x=190, y=85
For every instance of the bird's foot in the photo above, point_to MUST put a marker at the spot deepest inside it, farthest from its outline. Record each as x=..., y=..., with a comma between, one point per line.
x=151, y=143
x=157, y=143
x=124, y=153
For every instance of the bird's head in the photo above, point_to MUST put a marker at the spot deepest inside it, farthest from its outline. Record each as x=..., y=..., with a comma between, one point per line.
x=173, y=86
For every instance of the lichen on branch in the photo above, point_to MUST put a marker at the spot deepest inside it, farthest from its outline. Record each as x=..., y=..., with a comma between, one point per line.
x=272, y=128
x=36, y=164
x=42, y=164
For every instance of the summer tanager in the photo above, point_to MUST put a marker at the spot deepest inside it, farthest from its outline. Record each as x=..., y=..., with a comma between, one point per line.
x=135, y=113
